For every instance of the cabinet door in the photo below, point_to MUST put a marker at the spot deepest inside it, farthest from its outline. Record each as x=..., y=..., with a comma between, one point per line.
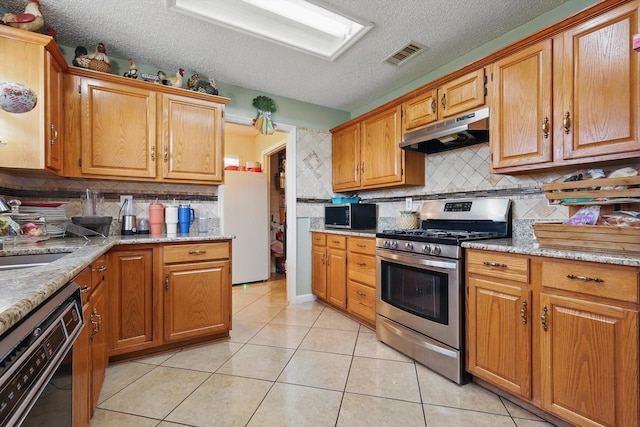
x=99, y=347
x=345, y=160
x=499, y=334
x=54, y=117
x=131, y=314
x=191, y=139
x=590, y=361
x=319, y=271
x=22, y=135
x=118, y=130
x=197, y=300
x=521, y=110
x=462, y=94
x=382, y=158
x=420, y=111
x=337, y=277
x=600, y=87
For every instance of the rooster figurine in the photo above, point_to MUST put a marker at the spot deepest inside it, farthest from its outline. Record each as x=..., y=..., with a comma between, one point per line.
x=30, y=20
x=133, y=70
x=97, y=61
x=175, y=81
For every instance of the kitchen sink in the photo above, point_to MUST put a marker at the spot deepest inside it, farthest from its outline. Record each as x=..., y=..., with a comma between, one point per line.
x=13, y=262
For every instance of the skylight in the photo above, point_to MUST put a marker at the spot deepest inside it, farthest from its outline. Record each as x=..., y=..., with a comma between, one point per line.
x=298, y=24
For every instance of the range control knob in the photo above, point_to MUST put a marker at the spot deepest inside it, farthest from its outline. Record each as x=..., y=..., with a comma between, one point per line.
x=409, y=246
x=436, y=250
x=394, y=245
x=385, y=244
x=426, y=249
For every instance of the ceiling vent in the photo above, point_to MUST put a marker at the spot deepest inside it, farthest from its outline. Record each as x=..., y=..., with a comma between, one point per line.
x=404, y=54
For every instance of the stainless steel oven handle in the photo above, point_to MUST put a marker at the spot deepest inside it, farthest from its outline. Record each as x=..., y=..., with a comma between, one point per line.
x=416, y=260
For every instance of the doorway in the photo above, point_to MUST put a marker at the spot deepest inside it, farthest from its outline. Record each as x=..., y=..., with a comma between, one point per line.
x=280, y=146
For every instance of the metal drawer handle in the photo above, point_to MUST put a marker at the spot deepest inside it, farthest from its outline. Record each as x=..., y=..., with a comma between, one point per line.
x=523, y=312
x=545, y=127
x=361, y=264
x=336, y=241
x=544, y=318
x=362, y=294
x=566, y=123
x=84, y=289
x=585, y=278
x=494, y=264
x=102, y=268
x=360, y=245
x=198, y=252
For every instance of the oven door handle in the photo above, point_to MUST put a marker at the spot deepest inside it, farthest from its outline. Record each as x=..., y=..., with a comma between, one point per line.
x=416, y=260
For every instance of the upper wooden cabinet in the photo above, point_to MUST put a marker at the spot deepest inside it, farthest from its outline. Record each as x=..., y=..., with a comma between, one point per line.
x=32, y=140
x=454, y=97
x=125, y=129
x=569, y=100
x=366, y=154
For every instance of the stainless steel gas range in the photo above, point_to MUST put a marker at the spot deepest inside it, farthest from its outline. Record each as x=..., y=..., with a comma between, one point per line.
x=420, y=280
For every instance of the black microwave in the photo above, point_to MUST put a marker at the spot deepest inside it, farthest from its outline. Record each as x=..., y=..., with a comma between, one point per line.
x=351, y=216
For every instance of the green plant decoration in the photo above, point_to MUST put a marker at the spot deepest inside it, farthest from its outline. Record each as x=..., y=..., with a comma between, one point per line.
x=263, y=122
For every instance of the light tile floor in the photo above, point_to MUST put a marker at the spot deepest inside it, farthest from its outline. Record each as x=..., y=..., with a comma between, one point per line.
x=293, y=365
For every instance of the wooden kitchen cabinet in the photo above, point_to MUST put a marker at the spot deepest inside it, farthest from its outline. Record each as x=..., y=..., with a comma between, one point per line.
x=572, y=349
x=329, y=268
x=457, y=96
x=32, y=140
x=499, y=320
x=131, y=299
x=126, y=129
x=197, y=290
x=571, y=99
x=361, y=277
x=90, y=353
x=319, y=265
x=366, y=154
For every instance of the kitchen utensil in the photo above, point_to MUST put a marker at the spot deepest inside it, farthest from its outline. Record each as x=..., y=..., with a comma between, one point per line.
x=143, y=226
x=171, y=218
x=129, y=225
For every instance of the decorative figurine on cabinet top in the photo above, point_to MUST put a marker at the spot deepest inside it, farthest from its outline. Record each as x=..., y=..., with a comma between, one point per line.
x=30, y=20
x=133, y=70
x=175, y=81
x=97, y=61
x=198, y=85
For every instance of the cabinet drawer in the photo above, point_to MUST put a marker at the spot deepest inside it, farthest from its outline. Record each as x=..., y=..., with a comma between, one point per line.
x=362, y=268
x=319, y=239
x=362, y=245
x=195, y=252
x=361, y=301
x=336, y=241
x=498, y=265
x=601, y=280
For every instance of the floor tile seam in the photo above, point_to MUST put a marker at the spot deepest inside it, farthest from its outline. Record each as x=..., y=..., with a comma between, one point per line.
x=130, y=383
x=383, y=358
x=507, y=415
x=334, y=329
x=159, y=420
x=396, y=399
x=536, y=418
x=187, y=396
x=315, y=387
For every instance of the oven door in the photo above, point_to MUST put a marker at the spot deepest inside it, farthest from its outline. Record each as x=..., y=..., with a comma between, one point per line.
x=421, y=292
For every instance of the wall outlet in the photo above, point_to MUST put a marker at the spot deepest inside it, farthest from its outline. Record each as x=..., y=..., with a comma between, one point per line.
x=408, y=204
x=128, y=208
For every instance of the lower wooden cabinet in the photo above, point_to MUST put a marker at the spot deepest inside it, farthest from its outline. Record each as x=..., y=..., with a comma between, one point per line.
x=90, y=354
x=565, y=339
x=343, y=273
x=163, y=294
x=197, y=291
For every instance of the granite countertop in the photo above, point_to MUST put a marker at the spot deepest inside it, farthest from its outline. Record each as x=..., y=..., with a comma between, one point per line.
x=22, y=290
x=532, y=247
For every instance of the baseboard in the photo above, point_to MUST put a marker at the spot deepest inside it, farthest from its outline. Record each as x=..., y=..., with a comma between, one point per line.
x=300, y=299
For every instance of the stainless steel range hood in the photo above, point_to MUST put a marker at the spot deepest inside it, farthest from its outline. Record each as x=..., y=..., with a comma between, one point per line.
x=463, y=131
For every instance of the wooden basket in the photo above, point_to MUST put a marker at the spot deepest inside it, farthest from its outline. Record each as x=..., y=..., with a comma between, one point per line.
x=594, y=191
x=589, y=238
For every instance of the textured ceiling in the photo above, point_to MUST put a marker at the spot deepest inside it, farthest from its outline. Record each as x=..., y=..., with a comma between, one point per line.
x=152, y=35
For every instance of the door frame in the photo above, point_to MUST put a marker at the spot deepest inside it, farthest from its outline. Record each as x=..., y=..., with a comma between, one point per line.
x=290, y=200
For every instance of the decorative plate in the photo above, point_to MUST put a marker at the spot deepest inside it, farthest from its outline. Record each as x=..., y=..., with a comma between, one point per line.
x=17, y=98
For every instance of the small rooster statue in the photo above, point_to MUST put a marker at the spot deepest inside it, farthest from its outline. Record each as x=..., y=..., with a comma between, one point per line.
x=30, y=20
x=133, y=70
x=175, y=81
x=198, y=85
x=97, y=61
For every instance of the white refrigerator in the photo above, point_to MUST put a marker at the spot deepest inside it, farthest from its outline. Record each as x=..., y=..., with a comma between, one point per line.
x=243, y=207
